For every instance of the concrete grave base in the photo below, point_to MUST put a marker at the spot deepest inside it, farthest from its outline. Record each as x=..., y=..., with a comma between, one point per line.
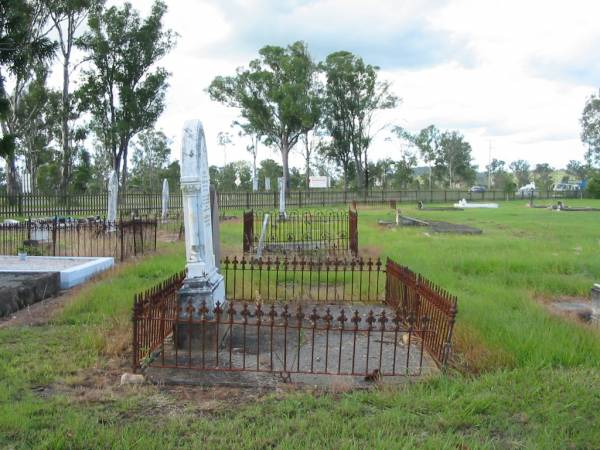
x=19, y=290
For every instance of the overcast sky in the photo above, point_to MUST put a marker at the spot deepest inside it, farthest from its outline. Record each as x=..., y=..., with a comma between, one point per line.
x=510, y=74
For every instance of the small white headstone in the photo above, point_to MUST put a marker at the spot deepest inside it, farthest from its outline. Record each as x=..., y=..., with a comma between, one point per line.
x=165, y=200
x=267, y=184
x=281, y=198
x=263, y=233
x=113, y=195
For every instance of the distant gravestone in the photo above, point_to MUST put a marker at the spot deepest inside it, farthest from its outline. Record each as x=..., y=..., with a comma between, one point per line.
x=165, y=200
x=203, y=281
x=263, y=234
x=282, y=214
x=216, y=231
x=113, y=195
x=267, y=184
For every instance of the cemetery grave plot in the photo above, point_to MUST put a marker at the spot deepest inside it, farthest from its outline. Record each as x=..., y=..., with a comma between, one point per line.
x=120, y=239
x=435, y=226
x=370, y=323
x=321, y=232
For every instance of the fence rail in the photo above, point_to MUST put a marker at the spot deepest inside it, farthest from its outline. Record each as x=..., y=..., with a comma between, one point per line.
x=120, y=239
x=24, y=205
x=331, y=327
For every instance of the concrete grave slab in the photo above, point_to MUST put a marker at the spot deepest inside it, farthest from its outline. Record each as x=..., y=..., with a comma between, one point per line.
x=72, y=270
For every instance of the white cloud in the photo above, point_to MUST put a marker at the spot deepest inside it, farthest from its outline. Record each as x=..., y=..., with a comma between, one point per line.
x=515, y=73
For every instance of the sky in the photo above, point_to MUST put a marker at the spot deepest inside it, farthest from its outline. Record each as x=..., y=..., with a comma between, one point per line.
x=511, y=76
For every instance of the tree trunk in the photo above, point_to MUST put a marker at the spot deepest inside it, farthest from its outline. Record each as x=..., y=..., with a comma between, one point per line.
x=360, y=180
x=12, y=180
x=285, y=152
x=307, y=155
x=66, y=151
x=123, y=150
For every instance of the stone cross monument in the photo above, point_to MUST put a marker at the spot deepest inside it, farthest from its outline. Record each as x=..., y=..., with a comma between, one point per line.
x=165, y=200
x=113, y=195
x=203, y=281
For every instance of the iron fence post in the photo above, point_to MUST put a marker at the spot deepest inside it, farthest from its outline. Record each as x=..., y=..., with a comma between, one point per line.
x=54, y=224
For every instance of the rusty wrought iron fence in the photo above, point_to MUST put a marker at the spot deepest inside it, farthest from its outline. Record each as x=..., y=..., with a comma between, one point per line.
x=119, y=239
x=331, y=232
x=418, y=297
x=289, y=339
x=303, y=279
x=153, y=316
x=272, y=323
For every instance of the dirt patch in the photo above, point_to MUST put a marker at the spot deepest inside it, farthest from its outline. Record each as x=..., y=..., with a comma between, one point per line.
x=434, y=226
x=39, y=313
x=577, y=309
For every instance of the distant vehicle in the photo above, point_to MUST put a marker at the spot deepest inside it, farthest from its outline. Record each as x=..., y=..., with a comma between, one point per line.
x=477, y=189
x=564, y=187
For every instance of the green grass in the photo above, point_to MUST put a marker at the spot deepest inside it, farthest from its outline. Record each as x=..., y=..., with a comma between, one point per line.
x=532, y=379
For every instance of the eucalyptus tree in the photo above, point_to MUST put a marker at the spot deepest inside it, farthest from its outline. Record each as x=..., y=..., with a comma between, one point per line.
x=543, y=176
x=454, y=158
x=520, y=169
x=67, y=17
x=277, y=96
x=590, y=127
x=353, y=95
x=122, y=88
x=24, y=46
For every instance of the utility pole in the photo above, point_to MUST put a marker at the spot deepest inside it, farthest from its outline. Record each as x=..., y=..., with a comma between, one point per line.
x=490, y=166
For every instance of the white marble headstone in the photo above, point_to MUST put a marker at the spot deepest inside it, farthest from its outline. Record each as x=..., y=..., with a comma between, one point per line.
x=165, y=200
x=281, y=197
x=267, y=184
x=195, y=189
x=113, y=195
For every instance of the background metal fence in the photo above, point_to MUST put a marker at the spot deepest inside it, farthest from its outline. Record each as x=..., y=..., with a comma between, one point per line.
x=25, y=205
x=120, y=239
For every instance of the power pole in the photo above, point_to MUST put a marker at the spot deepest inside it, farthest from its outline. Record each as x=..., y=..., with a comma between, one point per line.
x=490, y=166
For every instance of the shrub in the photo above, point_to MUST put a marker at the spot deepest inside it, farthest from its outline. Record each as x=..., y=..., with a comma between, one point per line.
x=593, y=187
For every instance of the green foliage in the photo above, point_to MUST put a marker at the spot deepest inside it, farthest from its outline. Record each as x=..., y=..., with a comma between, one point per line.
x=276, y=95
x=577, y=170
x=30, y=250
x=151, y=154
x=353, y=94
x=520, y=169
x=590, y=127
x=447, y=153
x=123, y=89
x=593, y=186
x=543, y=177
x=269, y=169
